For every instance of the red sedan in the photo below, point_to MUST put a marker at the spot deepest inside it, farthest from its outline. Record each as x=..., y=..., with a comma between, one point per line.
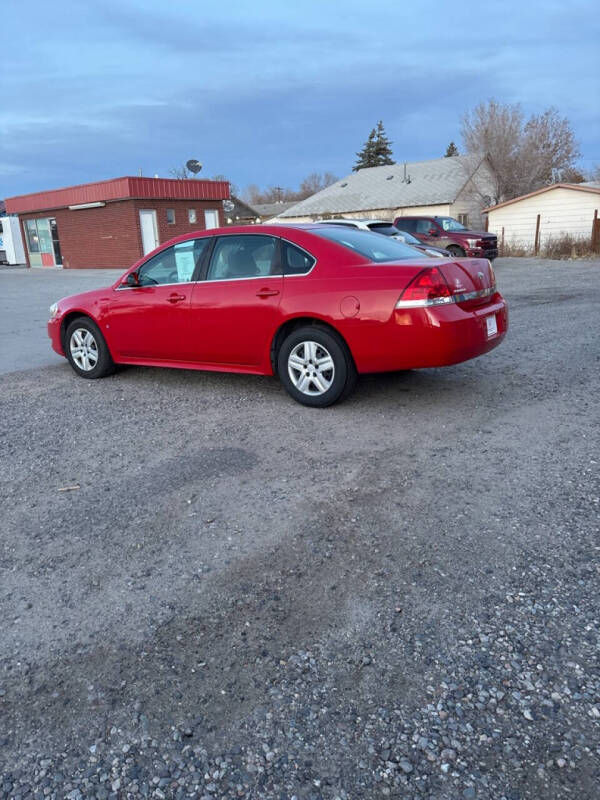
x=315, y=304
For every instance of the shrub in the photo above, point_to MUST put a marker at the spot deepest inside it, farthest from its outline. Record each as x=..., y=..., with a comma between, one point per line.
x=566, y=246
x=556, y=247
x=513, y=250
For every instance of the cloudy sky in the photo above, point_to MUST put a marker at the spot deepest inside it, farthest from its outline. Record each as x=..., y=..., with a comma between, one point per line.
x=270, y=91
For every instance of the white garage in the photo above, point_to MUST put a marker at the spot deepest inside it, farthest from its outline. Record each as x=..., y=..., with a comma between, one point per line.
x=534, y=220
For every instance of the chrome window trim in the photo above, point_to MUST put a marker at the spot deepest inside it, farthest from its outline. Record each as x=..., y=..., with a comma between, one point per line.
x=249, y=278
x=231, y=280
x=120, y=288
x=444, y=301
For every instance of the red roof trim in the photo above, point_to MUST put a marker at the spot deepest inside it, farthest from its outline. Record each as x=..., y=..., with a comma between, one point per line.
x=126, y=188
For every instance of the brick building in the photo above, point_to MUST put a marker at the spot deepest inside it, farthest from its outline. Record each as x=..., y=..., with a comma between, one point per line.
x=114, y=223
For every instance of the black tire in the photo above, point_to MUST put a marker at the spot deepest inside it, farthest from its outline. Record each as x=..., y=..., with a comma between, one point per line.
x=85, y=345
x=457, y=252
x=324, y=385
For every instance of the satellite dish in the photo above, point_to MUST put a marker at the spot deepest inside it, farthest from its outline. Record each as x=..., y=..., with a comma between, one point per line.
x=193, y=165
x=228, y=206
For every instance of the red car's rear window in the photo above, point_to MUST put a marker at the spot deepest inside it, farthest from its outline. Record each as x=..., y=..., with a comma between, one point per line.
x=373, y=246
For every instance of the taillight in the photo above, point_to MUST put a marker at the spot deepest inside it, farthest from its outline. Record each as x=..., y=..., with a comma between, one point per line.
x=428, y=288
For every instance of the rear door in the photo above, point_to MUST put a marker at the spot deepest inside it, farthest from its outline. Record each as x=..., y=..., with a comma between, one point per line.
x=235, y=309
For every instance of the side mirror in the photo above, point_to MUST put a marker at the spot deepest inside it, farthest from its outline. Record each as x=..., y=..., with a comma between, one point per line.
x=433, y=232
x=132, y=279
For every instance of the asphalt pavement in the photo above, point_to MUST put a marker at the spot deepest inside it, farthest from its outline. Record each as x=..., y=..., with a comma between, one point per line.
x=209, y=591
x=25, y=297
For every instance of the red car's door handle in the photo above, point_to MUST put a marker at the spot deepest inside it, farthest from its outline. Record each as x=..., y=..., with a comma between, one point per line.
x=267, y=293
x=175, y=298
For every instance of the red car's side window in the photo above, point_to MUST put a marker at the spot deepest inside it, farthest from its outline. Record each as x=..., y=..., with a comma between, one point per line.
x=174, y=265
x=296, y=261
x=243, y=256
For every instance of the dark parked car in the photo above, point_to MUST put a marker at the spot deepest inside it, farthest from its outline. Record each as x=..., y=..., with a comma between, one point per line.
x=450, y=234
x=428, y=249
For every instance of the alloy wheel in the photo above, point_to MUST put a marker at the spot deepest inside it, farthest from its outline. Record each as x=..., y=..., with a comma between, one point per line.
x=311, y=368
x=84, y=349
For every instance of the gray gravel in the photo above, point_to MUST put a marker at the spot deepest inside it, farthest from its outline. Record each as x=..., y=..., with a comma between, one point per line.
x=245, y=598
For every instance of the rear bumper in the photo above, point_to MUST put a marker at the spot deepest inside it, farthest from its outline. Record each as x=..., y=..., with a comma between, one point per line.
x=435, y=337
x=54, y=334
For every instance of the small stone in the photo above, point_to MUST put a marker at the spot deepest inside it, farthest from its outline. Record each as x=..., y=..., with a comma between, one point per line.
x=406, y=766
x=527, y=714
x=560, y=763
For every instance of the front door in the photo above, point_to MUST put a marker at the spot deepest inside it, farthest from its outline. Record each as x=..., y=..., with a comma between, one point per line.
x=149, y=230
x=235, y=310
x=429, y=232
x=151, y=321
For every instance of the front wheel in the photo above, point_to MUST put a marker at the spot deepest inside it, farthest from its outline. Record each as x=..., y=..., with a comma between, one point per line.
x=315, y=367
x=457, y=252
x=86, y=349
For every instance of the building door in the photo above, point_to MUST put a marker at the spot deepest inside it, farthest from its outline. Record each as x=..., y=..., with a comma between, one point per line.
x=39, y=236
x=211, y=218
x=149, y=230
x=55, y=241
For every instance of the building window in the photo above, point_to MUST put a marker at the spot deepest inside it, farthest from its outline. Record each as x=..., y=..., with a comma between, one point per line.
x=464, y=219
x=170, y=216
x=192, y=216
x=33, y=240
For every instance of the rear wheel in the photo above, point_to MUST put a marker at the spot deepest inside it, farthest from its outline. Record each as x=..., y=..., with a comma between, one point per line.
x=86, y=349
x=456, y=251
x=315, y=367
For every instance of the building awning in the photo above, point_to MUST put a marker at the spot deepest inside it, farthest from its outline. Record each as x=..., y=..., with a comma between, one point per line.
x=127, y=188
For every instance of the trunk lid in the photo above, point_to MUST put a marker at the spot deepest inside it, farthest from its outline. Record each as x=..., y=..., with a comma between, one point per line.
x=471, y=279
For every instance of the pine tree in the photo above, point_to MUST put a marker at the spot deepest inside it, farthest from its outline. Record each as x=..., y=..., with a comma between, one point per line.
x=451, y=150
x=377, y=150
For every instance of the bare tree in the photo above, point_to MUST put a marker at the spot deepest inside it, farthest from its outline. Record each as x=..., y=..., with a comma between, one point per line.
x=496, y=130
x=594, y=174
x=314, y=183
x=181, y=173
x=549, y=149
x=571, y=175
x=278, y=194
x=526, y=155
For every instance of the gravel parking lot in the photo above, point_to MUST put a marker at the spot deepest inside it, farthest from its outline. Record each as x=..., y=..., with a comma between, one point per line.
x=246, y=598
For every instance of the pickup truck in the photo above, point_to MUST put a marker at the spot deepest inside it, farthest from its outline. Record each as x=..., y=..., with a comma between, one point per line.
x=450, y=234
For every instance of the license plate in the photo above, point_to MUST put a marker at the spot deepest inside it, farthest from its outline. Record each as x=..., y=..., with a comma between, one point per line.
x=492, y=327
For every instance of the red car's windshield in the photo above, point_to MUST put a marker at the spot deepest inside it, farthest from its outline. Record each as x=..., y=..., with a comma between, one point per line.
x=370, y=245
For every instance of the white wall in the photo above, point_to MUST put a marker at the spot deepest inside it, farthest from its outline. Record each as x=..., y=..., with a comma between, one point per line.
x=422, y=211
x=477, y=193
x=11, y=241
x=561, y=211
x=374, y=213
